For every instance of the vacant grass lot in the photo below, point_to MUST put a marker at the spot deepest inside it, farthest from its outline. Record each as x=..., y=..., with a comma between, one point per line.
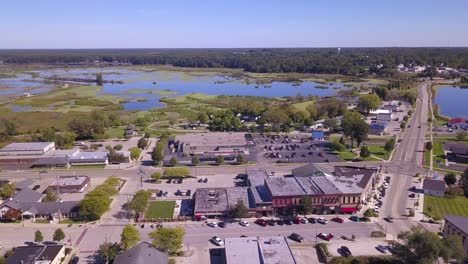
x=440, y=206
x=160, y=209
x=346, y=155
x=378, y=151
x=303, y=105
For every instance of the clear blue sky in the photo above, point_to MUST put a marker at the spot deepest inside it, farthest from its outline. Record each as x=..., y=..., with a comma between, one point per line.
x=229, y=23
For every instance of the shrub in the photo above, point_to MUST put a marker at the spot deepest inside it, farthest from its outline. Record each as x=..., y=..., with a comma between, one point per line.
x=176, y=172
x=377, y=234
x=135, y=153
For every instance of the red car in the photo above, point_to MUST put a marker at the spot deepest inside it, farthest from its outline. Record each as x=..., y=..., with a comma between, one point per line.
x=325, y=236
x=338, y=220
x=261, y=222
x=297, y=220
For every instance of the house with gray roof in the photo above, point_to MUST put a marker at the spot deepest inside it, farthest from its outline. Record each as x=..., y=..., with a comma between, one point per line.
x=143, y=253
x=55, y=211
x=457, y=225
x=37, y=254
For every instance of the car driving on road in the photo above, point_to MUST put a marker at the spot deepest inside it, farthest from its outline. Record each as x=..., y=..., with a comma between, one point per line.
x=296, y=237
x=322, y=221
x=213, y=224
x=217, y=241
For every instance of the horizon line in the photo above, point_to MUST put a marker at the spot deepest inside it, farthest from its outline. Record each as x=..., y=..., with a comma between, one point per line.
x=226, y=48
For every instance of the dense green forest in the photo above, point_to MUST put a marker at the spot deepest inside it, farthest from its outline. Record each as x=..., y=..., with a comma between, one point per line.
x=349, y=61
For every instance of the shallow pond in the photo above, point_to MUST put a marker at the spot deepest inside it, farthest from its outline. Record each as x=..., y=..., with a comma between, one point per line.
x=452, y=101
x=151, y=85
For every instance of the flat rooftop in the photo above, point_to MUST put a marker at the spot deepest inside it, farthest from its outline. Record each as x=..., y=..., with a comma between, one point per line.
x=211, y=200
x=257, y=185
x=275, y=250
x=213, y=139
x=70, y=181
x=90, y=155
x=284, y=187
x=242, y=250
x=317, y=185
x=26, y=146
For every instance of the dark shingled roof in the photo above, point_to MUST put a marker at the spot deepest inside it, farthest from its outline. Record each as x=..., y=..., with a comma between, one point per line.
x=307, y=170
x=459, y=149
x=31, y=254
x=142, y=253
x=434, y=185
x=51, y=161
x=27, y=195
x=460, y=222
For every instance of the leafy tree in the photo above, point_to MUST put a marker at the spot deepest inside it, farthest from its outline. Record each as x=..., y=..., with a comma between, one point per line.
x=429, y=146
x=368, y=102
x=220, y=160
x=9, y=128
x=48, y=134
x=306, y=205
x=139, y=201
x=382, y=92
x=203, y=117
x=157, y=176
x=365, y=153
x=453, y=249
x=354, y=127
x=389, y=145
x=176, y=172
x=450, y=178
x=275, y=116
x=108, y=251
x=38, y=236
x=195, y=160
x=7, y=190
x=97, y=201
x=118, y=147
x=51, y=196
x=336, y=145
x=147, y=135
x=59, y=235
x=135, y=153
x=168, y=239
x=464, y=182
x=331, y=123
x=225, y=121
x=342, y=141
x=240, y=210
x=157, y=155
x=461, y=135
x=240, y=158
x=129, y=237
x=173, y=161
x=142, y=143
x=116, y=157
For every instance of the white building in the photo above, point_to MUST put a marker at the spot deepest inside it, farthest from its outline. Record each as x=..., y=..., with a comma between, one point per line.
x=27, y=148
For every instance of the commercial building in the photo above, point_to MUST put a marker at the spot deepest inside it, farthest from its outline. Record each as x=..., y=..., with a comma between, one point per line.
x=89, y=158
x=209, y=145
x=37, y=254
x=261, y=250
x=143, y=253
x=434, y=187
x=460, y=152
x=26, y=149
x=217, y=202
x=377, y=127
x=259, y=198
x=457, y=225
x=384, y=117
x=70, y=184
x=392, y=106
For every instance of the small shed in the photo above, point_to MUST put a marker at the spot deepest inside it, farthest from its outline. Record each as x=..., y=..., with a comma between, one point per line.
x=434, y=187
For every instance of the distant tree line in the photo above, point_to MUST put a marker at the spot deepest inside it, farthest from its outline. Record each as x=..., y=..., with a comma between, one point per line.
x=350, y=61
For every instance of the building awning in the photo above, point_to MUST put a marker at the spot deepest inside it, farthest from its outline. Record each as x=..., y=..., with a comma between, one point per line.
x=348, y=209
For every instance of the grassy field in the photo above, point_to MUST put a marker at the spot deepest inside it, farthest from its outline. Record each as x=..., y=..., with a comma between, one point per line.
x=438, y=153
x=346, y=155
x=160, y=209
x=378, y=151
x=440, y=206
x=115, y=132
x=303, y=105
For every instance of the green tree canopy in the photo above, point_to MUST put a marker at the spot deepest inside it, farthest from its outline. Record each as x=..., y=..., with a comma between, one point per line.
x=305, y=206
x=142, y=143
x=220, y=160
x=59, y=235
x=389, y=145
x=156, y=176
x=365, y=153
x=176, y=172
x=368, y=102
x=240, y=158
x=195, y=160
x=355, y=127
x=51, y=196
x=450, y=178
x=139, y=201
x=7, y=190
x=38, y=236
x=129, y=237
x=240, y=210
x=168, y=239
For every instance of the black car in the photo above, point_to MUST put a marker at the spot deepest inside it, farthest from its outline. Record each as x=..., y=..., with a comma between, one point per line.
x=296, y=237
x=271, y=222
x=222, y=224
x=288, y=222
x=389, y=219
x=345, y=251
x=413, y=195
x=280, y=222
x=312, y=220
x=75, y=260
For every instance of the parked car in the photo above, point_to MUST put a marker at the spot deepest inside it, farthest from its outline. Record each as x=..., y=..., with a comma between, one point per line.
x=288, y=222
x=412, y=195
x=322, y=221
x=222, y=224
x=325, y=236
x=389, y=219
x=304, y=221
x=261, y=222
x=382, y=248
x=75, y=260
x=297, y=220
x=213, y=224
x=280, y=222
x=271, y=222
x=244, y=223
x=217, y=241
x=312, y=220
x=338, y=220
x=345, y=251
x=296, y=237
x=355, y=218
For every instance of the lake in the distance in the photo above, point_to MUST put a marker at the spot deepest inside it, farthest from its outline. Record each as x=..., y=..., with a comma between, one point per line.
x=452, y=101
x=140, y=84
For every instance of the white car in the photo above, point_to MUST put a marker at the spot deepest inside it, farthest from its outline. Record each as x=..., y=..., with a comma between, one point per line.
x=217, y=241
x=244, y=223
x=304, y=220
x=322, y=221
x=213, y=224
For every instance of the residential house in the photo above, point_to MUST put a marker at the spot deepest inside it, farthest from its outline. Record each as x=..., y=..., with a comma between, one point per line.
x=457, y=225
x=70, y=184
x=55, y=211
x=434, y=187
x=460, y=152
x=143, y=253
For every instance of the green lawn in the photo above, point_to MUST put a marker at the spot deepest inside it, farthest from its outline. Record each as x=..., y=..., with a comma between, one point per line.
x=438, y=152
x=303, y=105
x=440, y=206
x=378, y=151
x=427, y=157
x=160, y=209
x=115, y=132
x=346, y=155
